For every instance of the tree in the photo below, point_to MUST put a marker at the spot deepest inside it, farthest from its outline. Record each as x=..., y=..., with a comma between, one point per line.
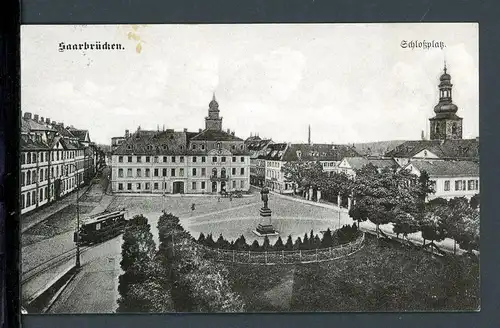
x=432, y=228
x=278, y=245
x=138, y=250
x=305, y=242
x=201, y=239
x=468, y=238
x=405, y=224
x=255, y=246
x=298, y=244
x=266, y=246
x=241, y=243
x=303, y=174
x=327, y=240
x=474, y=201
x=289, y=243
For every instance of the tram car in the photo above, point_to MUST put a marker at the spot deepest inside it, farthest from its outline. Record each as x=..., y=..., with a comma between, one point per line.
x=101, y=227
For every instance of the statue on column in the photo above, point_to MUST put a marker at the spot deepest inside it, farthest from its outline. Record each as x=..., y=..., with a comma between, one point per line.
x=264, y=196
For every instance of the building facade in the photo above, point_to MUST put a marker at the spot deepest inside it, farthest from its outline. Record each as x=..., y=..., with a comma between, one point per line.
x=449, y=178
x=177, y=162
x=349, y=165
x=278, y=154
x=52, y=161
x=257, y=147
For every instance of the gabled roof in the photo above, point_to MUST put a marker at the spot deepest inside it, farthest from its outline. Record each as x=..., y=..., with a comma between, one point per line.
x=26, y=143
x=444, y=149
x=82, y=135
x=33, y=125
x=318, y=152
x=257, y=145
x=153, y=143
x=440, y=168
x=357, y=163
x=63, y=131
x=274, y=152
x=215, y=135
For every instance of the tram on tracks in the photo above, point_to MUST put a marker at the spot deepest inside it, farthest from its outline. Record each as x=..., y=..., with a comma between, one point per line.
x=101, y=227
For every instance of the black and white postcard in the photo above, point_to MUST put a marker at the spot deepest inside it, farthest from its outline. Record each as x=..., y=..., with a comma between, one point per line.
x=250, y=168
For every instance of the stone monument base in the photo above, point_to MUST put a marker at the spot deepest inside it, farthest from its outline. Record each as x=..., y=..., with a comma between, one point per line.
x=265, y=230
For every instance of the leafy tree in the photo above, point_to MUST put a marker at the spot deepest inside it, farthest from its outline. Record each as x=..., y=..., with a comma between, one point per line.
x=474, y=201
x=221, y=242
x=209, y=241
x=303, y=174
x=468, y=238
x=405, y=224
x=289, y=243
x=432, y=228
x=138, y=250
x=317, y=242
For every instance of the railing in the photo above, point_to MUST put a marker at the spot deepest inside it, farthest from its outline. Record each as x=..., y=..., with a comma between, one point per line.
x=286, y=257
x=219, y=178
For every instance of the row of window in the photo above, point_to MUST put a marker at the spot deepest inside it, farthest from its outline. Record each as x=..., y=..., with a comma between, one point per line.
x=156, y=185
x=462, y=185
x=173, y=172
x=193, y=146
x=33, y=157
x=29, y=199
x=175, y=159
x=273, y=174
x=31, y=176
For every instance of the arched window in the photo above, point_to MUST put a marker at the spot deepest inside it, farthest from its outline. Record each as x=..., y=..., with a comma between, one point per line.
x=28, y=178
x=454, y=128
x=214, y=172
x=218, y=145
x=28, y=199
x=223, y=173
x=437, y=128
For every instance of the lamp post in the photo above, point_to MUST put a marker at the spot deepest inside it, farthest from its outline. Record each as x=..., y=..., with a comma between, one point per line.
x=77, y=241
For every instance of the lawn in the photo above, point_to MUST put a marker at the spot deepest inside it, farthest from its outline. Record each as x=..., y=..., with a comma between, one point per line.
x=381, y=277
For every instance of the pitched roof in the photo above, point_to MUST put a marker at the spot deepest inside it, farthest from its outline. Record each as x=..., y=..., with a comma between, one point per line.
x=274, y=152
x=26, y=143
x=440, y=168
x=80, y=134
x=33, y=125
x=215, y=135
x=256, y=145
x=318, y=152
x=153, y=143
x=445, y=149
x=357, y=163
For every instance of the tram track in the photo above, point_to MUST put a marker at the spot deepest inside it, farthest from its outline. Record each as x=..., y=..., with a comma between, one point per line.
x=43, y=267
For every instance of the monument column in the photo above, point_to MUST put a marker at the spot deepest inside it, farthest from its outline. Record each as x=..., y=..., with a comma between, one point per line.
x=265, y=212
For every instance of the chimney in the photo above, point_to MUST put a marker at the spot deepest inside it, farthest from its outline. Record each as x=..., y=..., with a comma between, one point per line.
x=185, y=130
x=199, y=130
x=54, y=123
x=127, y=133
x=309, y=135
x=232, y=133
x=60, y=124
x=228, y=131
x=42, y=120
x=35, y=118
x=27, y=115
x=47, y=120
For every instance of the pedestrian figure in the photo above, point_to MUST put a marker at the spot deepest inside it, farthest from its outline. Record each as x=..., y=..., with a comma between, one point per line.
x=218, y=199
x=192, y=207
x=230, y=197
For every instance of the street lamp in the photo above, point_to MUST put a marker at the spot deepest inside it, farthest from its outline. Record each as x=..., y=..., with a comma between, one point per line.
x=77, y=234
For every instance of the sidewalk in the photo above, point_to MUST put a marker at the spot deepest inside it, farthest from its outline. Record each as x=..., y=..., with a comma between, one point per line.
x=33, y=218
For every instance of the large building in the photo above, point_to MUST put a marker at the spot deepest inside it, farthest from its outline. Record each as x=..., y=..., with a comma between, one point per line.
x=168, y=161
x=449, y=178
x=257, y=147
x=53, y=160
x=278, y=154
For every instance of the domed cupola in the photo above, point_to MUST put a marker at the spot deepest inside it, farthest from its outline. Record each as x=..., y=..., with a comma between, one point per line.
x=445, y=104
x=213, y=121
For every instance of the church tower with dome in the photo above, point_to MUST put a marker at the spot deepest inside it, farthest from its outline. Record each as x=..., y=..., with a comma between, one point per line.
x=445, y=125
x=213, y=121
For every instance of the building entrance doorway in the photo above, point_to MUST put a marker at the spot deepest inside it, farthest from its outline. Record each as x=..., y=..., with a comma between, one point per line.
x=214, y=186
x=223, y=186
x=178, y=187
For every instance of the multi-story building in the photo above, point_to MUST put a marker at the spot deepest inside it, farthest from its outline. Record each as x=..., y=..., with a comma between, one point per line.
x=278, y=154
x=207, y=161
x=350, y=165
x=52, y=161
x=450, y=178
x=257, y=147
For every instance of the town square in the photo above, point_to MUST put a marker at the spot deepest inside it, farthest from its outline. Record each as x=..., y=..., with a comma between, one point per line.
x=212, y=178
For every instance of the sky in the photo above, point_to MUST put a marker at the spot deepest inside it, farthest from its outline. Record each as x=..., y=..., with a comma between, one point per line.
x=350, y=82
